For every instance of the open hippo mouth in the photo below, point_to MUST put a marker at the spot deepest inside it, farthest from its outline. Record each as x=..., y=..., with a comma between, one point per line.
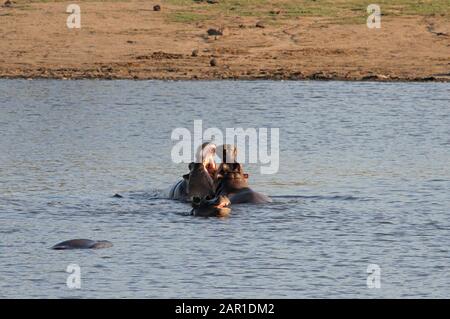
x=221, y=202
x=210, y=166
x=208, y=154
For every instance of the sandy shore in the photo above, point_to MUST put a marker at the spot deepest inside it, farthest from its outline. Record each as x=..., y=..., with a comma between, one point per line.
x=128, y=40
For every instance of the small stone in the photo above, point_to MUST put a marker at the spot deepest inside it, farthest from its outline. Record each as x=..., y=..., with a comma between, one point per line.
x=194, y=52
x=260, y=24
x=7, y=4
x=157, y=7
x=212, y=1
x=213, y=62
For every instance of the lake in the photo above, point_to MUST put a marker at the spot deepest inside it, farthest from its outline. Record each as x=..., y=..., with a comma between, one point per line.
x=364, y=179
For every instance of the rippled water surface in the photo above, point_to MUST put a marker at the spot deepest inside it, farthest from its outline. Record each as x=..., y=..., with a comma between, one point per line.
x=364, y=179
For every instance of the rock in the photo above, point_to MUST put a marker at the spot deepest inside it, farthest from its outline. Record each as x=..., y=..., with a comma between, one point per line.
x=382, y=76
x=212, y=1
x=214, y=32
x=194, y=52
x=374, y=77
x=260, y=24
x=117, y=196
x=157, y=7
x=7, y=4
x=319, y=76
x=213, y=62
x=220, y=31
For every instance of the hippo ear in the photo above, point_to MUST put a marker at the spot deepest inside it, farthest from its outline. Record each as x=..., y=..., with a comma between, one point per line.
x=191, y=165
x=246, y=176
x=186, y=176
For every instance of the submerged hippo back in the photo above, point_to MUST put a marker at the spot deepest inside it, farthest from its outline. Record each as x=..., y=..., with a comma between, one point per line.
x=248, y=195
x=233, y=182
x=83, y=244
x=179, y=190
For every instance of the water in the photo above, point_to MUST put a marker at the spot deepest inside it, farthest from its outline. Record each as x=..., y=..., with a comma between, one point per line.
x=364, y=179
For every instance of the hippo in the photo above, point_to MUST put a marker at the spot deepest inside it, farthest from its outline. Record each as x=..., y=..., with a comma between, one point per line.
x=232, y=182
x=83, y=244
x=199, y=181
x=211, y=207
x=227, y=154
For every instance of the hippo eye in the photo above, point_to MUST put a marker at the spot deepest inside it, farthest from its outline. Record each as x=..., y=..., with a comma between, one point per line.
x=196, y=200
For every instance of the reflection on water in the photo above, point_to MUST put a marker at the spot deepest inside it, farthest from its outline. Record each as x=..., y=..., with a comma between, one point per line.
x=364, y=179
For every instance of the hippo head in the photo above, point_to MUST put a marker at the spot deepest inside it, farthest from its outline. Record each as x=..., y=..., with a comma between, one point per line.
x=205, y=155
x=199, y=181
x=227, y=153
x=211, y=207
x=230, y=178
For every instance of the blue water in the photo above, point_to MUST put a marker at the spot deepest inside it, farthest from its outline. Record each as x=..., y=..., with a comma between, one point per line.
x=364, y=179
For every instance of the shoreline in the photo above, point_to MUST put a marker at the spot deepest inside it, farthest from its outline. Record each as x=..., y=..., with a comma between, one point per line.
x=129, y=41
x=275, y=78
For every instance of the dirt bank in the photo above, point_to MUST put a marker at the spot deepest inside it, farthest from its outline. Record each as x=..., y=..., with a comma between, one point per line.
x=128, y=40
